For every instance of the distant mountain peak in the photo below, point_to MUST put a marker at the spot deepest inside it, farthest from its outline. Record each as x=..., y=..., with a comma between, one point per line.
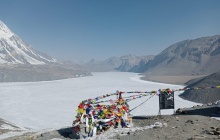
x=128, y=62
x=13, y=50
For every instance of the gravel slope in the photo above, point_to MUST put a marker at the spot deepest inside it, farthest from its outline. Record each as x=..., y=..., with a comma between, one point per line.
x=207, y=95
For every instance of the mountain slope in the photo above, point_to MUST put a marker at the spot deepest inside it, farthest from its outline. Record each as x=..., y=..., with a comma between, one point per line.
x=13, y=50
x=190, y=57
x=32, y=73
x=207, y=95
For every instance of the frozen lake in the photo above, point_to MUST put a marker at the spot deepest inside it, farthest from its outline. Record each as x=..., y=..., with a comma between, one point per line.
x=53, y=104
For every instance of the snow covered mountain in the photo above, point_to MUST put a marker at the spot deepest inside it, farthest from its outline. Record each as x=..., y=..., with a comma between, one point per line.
x=13, y=50
x=19, y=62
x=132, y=63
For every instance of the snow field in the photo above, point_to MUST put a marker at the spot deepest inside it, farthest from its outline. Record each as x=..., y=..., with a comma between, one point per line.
x=53, y=104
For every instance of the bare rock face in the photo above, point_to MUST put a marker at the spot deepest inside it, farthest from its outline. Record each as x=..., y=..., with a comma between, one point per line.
x=190, y=57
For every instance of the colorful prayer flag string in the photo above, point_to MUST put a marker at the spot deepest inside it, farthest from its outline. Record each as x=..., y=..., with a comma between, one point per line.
x=91, y=110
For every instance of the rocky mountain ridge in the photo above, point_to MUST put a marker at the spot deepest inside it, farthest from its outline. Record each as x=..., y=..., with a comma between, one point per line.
x=190, y=57
x=199, y=56
x=126, y=63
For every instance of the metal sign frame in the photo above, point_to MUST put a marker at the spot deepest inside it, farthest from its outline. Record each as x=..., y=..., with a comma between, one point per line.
x=166, y=100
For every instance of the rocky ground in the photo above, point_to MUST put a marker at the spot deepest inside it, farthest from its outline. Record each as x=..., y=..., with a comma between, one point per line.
x=194, y=123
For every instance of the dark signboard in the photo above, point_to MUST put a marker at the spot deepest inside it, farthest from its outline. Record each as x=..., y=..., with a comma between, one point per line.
x=166, y=100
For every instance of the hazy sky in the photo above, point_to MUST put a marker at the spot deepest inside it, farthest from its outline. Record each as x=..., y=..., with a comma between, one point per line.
x=80, y=30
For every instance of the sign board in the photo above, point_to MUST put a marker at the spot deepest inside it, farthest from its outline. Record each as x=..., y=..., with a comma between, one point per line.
x=166, y=100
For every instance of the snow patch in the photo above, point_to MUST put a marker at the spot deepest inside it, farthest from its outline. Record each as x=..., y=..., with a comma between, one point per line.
x=53, y=104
